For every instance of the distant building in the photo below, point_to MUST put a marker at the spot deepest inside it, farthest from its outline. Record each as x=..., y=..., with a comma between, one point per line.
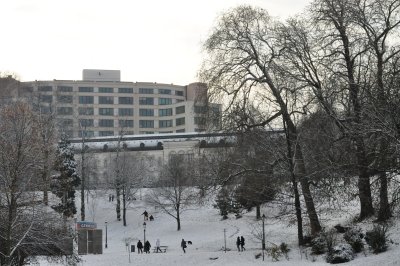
x=149, y=152
x=102, y=105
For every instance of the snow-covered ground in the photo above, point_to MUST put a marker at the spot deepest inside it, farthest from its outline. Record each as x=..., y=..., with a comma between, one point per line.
x=203, y=226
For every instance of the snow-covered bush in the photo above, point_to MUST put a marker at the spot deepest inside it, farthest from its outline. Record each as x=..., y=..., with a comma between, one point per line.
x=284, y=249
x=274, y=252
x=318, y=244
x=377, y=238
x=340, y=253
x=324, y=242
x=354, y=237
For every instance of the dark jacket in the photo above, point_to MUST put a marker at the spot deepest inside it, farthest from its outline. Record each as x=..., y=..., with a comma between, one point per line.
x=139, y=244
x=183, y=243
x=147, y=246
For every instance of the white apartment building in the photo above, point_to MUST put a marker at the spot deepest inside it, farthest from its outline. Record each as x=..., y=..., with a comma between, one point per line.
x=102, y=105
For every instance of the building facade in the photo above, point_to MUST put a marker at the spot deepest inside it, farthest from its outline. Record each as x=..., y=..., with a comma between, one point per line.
x=102, y=105
x=143, y=157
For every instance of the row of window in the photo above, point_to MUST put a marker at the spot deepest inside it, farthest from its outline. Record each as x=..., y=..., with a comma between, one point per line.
x=121, y=111
x=105, y=100
x=123, y=123
x=109, y=90
x=105, y=123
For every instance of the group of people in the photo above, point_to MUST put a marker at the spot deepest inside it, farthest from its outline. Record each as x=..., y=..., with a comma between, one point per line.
x=146, y=216
x=146, y=247
x=240, y=243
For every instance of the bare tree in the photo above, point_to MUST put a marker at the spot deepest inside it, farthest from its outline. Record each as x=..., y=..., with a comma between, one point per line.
x=126, y=171
x=244, y=65
x=26, y=227
x=47, y=136
x=380, y=20
x=342, y=54
x=173, y=194
x=132, y=170
x=84, y=164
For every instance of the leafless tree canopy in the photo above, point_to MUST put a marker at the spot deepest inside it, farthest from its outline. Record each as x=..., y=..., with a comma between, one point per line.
x=27, y=228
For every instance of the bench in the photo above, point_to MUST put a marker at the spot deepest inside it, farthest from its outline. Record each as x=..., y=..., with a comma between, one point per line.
x=163, y=249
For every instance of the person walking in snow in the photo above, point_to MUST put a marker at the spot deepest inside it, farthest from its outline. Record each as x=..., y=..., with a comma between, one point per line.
x=139, y=247
x=145, y=215
x=183, y=245
x=147, y=247
x=158, y=245
x=242, y=243
x=238, y=243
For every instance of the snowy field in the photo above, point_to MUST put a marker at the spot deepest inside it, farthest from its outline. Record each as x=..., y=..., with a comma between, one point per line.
x=203, y=226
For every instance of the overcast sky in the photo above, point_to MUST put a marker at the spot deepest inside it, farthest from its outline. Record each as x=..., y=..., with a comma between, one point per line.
x=148, y=40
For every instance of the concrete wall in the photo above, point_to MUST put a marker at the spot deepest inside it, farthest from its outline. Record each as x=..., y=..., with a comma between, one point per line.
x=100, y=163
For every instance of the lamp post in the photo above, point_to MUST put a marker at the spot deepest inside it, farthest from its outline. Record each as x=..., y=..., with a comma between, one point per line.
x=75, y=220
x=263, y=236
x=225, y=239
x=144, y=232
x=106, y=235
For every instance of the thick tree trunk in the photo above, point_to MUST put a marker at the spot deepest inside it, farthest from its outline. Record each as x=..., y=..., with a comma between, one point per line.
x=384, y=207
x=364, y=189
x=83, y=181
x=305, y=187
x=178, y=220
x=258, y=211
x=364, y=186
x=118, y=208
x=296, y=195
x=297, y=158
x=46, y=194
x=295, y=190
x=299, y=171
x=124, y=206
x=45, y=178
x=298, y=212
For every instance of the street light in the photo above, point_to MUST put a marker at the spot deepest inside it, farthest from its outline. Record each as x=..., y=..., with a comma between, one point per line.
x=225, y=239
x=106, y=235
x=263, y=236
x=75, y=221
x=144, y=232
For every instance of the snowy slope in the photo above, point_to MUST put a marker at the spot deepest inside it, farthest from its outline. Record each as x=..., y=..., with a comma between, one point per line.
x=203, y=226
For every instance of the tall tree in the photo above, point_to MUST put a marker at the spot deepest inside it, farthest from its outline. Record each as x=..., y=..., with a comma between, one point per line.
x=340, y=53
x=244, y=58
x=47, y=136
x=84, y=160
x=67, y=180
x=380, y=20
